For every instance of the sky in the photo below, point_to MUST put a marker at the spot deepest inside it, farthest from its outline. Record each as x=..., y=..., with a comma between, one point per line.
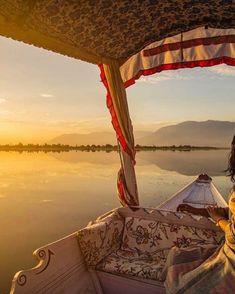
x=44, y=94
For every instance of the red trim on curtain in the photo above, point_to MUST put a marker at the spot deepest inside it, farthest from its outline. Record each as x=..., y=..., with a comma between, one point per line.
x=172, y=66
x=115, y=121
x=190, y=43
x=122, y=190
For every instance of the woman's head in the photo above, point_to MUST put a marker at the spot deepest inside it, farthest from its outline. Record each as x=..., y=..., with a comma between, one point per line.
x=231, y=162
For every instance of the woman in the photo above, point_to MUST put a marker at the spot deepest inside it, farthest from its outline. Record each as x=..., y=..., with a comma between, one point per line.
x=206, y=269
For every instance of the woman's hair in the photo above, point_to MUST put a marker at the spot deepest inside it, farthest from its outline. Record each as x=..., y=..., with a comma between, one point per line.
x=231, y=162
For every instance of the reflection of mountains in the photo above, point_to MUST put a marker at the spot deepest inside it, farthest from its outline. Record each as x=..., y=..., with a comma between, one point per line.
x=101, y=158
x=188, y=163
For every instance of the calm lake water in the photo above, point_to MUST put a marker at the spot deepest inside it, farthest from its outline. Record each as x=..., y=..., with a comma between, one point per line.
x=44, y=197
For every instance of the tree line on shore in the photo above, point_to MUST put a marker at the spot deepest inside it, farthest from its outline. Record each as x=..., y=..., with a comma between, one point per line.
x=92, y=148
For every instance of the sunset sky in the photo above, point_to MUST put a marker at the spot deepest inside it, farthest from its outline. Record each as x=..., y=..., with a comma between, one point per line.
x=43, y=94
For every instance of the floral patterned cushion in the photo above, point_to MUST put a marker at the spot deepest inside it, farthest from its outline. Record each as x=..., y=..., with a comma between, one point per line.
x=149, y=236
x=124, y=262
x=137, y=246
x=100, y=239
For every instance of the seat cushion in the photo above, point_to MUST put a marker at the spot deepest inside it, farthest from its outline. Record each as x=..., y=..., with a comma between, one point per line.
x=101, y=238
x=151, y=236
x=135, y=264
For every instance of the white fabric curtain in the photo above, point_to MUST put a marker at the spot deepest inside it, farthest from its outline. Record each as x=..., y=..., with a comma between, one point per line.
x=118, y=106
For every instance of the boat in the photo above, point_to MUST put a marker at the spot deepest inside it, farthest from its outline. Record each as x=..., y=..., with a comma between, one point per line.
x=125, y=249
x=201, y=193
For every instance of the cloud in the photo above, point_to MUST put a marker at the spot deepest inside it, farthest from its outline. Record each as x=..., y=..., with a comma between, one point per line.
x=3, y=100
x=4, y=112
x=82, y=123
x=165, y=76
x=46, y=95
x=223, y=70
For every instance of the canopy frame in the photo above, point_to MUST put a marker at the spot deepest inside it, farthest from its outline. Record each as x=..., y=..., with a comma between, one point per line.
x=201, y=47
x=113, y=35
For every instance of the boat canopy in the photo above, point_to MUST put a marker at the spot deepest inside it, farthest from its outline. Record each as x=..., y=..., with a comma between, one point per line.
x=126, y=39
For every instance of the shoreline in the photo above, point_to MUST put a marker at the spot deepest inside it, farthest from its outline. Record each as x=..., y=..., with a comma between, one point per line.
x=99, y=148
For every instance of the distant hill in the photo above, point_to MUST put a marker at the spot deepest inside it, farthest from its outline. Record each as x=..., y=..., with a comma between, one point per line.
x=96, y=138
x=207, y=133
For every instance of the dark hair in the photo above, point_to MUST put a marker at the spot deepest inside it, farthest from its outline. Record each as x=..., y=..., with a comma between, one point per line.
x=231, y=162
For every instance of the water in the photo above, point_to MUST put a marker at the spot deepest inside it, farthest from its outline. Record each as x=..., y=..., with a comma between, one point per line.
x=44, y=197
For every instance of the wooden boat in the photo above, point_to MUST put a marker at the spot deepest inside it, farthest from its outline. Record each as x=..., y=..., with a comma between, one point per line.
x=123, y=251
x=200, y=193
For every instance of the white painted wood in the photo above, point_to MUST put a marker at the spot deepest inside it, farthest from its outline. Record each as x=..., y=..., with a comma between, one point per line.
x=169, y=217
x=114, y=284
x=61, y=270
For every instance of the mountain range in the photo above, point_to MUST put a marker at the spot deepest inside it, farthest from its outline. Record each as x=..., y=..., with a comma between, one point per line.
x=206, y=133
x=96, y=138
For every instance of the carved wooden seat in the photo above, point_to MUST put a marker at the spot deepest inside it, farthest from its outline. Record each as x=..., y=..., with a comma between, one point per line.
x=124, y=250
x=136, y=243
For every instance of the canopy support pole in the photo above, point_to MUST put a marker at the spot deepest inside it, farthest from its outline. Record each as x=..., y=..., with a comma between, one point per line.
x=118, y=107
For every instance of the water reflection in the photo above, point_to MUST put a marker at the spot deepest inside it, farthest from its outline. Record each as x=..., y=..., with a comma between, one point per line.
x=107, y=158
x=46, y=196
x=186, y=163
x=190, y=163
